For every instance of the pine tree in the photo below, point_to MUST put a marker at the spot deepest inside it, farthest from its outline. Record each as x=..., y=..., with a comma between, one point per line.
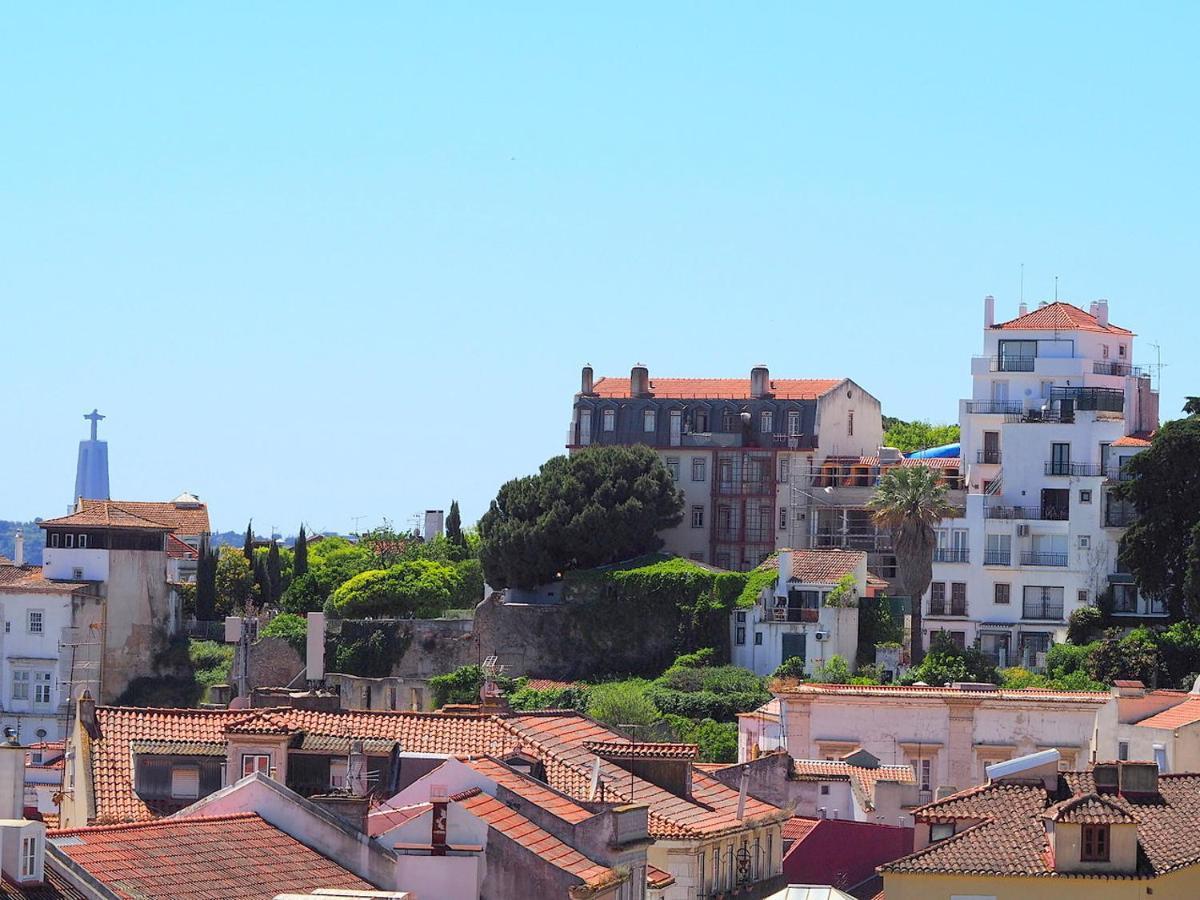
x=248, y=545
x=300, y=555
x=454, y=532
x=275, y=573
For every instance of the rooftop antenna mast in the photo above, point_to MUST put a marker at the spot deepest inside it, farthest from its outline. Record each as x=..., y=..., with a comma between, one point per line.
x=1055, y=288
x=356, y=520
x=1022, y=282
x=1158, y=365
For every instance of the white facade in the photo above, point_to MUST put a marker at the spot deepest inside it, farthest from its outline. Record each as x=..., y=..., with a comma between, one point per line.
x=1054, y=413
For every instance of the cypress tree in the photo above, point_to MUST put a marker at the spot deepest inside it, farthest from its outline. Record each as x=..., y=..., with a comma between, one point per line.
x=274, y=572
x=300, y=555
x=206, y=581
x=454, y=532
x=248, y=544
x=262, y=580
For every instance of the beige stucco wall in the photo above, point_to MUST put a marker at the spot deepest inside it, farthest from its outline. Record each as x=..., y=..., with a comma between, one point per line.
x=1067, y=838
x=1176, y=886
x=137, y=616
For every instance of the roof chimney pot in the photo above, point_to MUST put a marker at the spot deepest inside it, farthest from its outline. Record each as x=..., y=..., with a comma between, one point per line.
x=639, y=381
x=989, y=311
x=19, y=547
x=1102, y=312
x=1023, y=309
x=760, y=382
x=587, y=382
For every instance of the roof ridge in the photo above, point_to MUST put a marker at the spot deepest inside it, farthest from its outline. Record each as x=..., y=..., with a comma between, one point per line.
x=165, y=821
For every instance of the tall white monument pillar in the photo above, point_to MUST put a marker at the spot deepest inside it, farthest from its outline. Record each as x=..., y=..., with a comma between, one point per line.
x=91, y=473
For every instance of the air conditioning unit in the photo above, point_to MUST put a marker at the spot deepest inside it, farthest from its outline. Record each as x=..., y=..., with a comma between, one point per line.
x=821, y=635
x=1022, y=531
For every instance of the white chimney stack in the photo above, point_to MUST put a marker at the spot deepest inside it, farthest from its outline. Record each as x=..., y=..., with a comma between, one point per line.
x=19, y=548
x=1094, y=308
x=1023, y=309
x=314, y=647
x=435, y=520
x=760, y=382
x=639, y=381
x=989, y=311
x=785, y=573
x=1102, y=311
x=12, y=777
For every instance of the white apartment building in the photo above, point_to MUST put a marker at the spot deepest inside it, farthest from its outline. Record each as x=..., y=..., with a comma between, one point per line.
x=742, y=450
x=1057, y=407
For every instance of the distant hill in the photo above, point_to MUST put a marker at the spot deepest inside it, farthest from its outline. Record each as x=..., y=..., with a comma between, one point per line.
x=35, y=540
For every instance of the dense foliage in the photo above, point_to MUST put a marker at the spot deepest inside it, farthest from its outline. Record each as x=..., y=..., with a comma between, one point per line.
x=464, y=683
x=420, y=589
x=707, y=692
x=596, y=507
x=1162, y=547
x=947, y=662
x=918, y=435
x=291, y=628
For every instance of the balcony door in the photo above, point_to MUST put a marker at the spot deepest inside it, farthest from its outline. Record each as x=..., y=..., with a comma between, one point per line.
x=1060, y=459
x=991, y=446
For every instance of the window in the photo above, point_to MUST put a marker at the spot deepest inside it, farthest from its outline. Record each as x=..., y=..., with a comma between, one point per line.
x=185, y=782
x=256, y=762
x=1082, y=597
x=20, y=685
x=1085, y=496
x=939, y=831
x=824, y=790
x=793, y=425
x=1123, y=750
x=698, y=468
x=697, y=516
x=1160, y=758
x=958, y=598
x=609, y=419
x=83, y=542
x=850, y=423
x=34, y=621
x=997, y=550
x=673, y=467
x=77, y=574
x=8, y=627
x=648, y=420
x=1104, y=351
x=41, y=687
x=337, y=773
x=1085, y=541
x=740, y=636
x=783, y=518
x=1042, y=602
x=700, y=869
x=69, y=540
x=54, y=540
x=28, y=857
x=1003, y=593
x=1094, y=847
x=1016, y=356
x=1121, y=351
x=767, y=422
x=758, y=639
x=937, y=598
x=785, y=465
x=925, y=773
x=700, y=421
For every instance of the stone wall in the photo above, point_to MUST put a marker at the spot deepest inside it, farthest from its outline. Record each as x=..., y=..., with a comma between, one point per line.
x=273, y=663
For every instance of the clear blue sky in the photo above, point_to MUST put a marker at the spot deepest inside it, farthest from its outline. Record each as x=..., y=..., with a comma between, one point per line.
x=317, y=261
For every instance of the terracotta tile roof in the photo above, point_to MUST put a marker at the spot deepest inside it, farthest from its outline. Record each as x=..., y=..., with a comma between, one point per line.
x=618, y=750
x=862, y=778
x=549, y=684
x=797, y=827
x=1137, y=439
x=1060, y=316
x=657, y=878
x=177, y=748
x=1091, y=809
x=542, y=844
x=720, y=388
x=232, y=856
x=1009, y=838
x=529, y=789
x=1025, y=695
x=177, y=549
x=189, y=519
x=105, y=515
x=819, y=566
x=384, y=819
x=30, y=580
x=1185, y=713
x=55, y=886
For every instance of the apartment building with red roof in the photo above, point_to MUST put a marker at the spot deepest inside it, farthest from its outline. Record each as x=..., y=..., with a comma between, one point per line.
x=741, y=450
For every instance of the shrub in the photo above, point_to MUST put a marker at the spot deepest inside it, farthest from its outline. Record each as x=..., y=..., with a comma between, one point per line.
x=620, y=703
x=834, y=671
x=573, y=697
x=1084, y=624
x=291, y=628
x=717, y=741
x=700, y=658
x=844, y=593
x=713, y=692
x=463, y=685
x=419, y=589
x=792, y=667
x=304, y=595
x=1133, y=656
x=469, y=592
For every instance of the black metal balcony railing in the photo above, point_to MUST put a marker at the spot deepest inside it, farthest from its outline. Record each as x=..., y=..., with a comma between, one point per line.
x=997, y=558
x=1080, y=470
x=1008, y=363
x=1036, y=558
x=951, y=554
x=988, y=457
x=1104, y=367
x=993, y=407
x=1118, y=473
x=1043, y=513
x=1119, y=518
x=1042, y=416
x=1051, y=610
x=947, y=608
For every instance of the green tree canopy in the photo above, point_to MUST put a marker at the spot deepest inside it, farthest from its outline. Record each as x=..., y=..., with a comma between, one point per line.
x=918, y=435
x=234, y=581
x=454, y=532
x=300, y=554
x=420, y=589
x=595, y=507
x=1162, y=547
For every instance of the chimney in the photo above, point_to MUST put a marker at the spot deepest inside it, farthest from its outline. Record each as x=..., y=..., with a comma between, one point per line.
x=351, y=810
x=760, y=382
x=1102, y=311
x=639, y=381
x=989, y=311
x=19, y=547
x=12, y=776
x=586, y=382
x=785, y=573
x=1138, y=779
x=315, y=647
x=1094, y=308
x=1023, y=309
x=1042, y=303
x=87, y=713
x=435, y=520
x=356, y=769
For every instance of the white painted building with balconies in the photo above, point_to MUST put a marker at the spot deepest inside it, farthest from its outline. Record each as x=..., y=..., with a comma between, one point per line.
x=1057, y=407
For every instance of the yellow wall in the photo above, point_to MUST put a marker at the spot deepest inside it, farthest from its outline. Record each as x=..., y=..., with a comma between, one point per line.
x=1180, y=885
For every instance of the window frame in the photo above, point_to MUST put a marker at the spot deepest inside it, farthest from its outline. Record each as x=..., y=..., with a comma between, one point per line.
x=21, y=678
x=1085, y=495
x=793, y=422
x=255, y=759
x=43, y=682
x=649, y=421
x=1007, y=601
x=783, y=518
x=766, y=421
x=28, y=857
x=699, y=465
x=1095, y=843
x=41, y=621
x=698, y=516
x=672, y=463
x=608, y=420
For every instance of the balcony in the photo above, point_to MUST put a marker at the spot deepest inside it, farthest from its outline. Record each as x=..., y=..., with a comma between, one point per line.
x=988, y=457
x=1036, y=558
x=1124, y=370
x=942, y=608
x=993, y=407
x=1043, y=610
x=1119, y=517
x=763, y=486
x=951, y=555
x=1042, y=416
x=1118, y=473
x=1037, y=513
x=1077, y=470
x=1010, y=363
x=1091, y=399
x=997, y=558
x=795, y=614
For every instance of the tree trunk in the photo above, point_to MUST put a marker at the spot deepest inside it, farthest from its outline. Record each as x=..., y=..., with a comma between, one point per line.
x=914, y=558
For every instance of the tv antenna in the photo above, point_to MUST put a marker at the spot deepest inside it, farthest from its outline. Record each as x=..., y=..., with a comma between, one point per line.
x=356, y=520
x=1022, y=282
x=1157, y=366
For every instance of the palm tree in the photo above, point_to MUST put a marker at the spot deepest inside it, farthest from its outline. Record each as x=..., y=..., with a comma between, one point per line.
x=1191, y=405
x=910, y=502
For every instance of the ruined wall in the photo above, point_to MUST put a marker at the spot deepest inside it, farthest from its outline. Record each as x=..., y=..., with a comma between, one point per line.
x=273, y=663
x=137, y=617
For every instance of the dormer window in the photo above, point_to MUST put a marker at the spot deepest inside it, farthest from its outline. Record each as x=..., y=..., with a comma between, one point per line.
x=609, y=419
x=939, y=831
x=1093, y=846
x=83, y=542
x=53, y=540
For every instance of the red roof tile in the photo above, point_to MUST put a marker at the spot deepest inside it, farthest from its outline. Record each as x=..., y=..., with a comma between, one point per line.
x=529, y=789
x=720, y=388
x=201, y=858
x=103, y=515
x=177, y=549
x=385, y=818
x=31, y=580
x=186, y=518
x=549, y=684
x=1137, y=439
x=1060, y=316
x=618, y=750
x=1185, y=713
x=1090, y=809
x=819, y=566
